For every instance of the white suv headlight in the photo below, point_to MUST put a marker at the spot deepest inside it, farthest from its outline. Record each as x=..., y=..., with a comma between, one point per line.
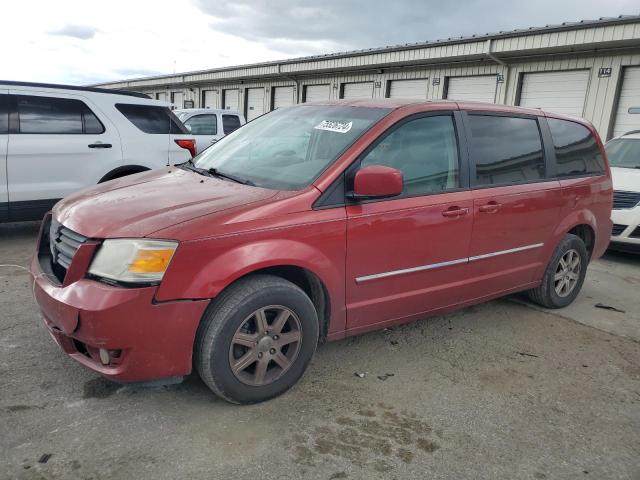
x=133, y=260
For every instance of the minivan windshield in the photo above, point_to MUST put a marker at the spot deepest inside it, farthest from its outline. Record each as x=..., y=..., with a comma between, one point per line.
x=288, y=148
x=624, y=152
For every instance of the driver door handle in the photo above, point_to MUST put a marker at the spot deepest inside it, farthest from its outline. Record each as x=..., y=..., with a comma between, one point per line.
x=99, y=145
x=455, y=212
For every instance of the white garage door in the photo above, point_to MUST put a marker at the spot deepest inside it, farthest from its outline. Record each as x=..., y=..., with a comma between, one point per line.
x=351, y=91
x=177, y=98
x=162, y=96
x=210, y=99
x=408, y=88
x=316, y=93
x=255, y=103
x=480, y=88
x=629, y=97
x=230, y=97
x=559, y=92
x=282, y=97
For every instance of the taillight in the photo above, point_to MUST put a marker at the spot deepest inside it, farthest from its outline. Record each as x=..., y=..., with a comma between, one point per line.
x=189, y=145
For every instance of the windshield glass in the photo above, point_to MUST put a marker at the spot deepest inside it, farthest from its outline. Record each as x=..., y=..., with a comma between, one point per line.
x=624, y=152
x=289, y=147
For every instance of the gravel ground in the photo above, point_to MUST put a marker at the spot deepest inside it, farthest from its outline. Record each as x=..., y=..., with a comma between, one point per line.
x=502, y=390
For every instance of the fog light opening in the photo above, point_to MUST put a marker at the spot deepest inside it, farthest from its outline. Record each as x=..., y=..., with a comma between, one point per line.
x=104, y=356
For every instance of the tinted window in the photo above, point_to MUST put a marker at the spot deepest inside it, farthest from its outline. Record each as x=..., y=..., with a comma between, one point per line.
x=55, y=115
x=577, y=151
x=151, y=119
x=425, y=151
x=206, y=124
x=506, y=150
x=4, y=113
x=230, y=123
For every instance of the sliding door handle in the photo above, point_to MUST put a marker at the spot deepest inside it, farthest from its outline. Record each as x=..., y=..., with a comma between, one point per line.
x=99, y=145
x=491, y=207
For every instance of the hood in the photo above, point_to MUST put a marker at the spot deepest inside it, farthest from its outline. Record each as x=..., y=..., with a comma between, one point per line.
x=138, y=205
x=627, y=179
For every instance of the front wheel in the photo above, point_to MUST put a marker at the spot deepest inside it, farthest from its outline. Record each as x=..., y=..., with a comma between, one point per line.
x=564, y=275
x=256, y=339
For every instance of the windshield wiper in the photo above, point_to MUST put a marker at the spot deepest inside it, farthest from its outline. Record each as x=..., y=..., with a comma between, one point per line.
x=233, y=178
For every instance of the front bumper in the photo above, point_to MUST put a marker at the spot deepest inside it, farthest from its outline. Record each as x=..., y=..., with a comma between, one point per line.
x=626, y=235
x=145, y=340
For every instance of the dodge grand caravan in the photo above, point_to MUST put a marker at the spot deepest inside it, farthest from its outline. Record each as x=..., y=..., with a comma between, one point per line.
x=315, y=222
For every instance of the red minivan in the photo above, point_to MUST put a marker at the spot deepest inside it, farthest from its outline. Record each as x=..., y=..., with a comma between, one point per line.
x=315, y=222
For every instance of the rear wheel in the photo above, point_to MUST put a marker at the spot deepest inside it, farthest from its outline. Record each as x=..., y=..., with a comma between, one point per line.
x=564, y=275
x=256, y=339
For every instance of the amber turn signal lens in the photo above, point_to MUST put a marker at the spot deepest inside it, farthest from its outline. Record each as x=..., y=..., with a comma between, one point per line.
x=151, y=261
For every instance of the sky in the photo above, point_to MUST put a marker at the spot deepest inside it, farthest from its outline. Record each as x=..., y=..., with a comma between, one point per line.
x=84, y=42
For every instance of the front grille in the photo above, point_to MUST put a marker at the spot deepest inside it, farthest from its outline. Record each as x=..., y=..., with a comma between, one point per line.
x=622, y=199
x=635, y=233
x=64, y=244
x=617, y=229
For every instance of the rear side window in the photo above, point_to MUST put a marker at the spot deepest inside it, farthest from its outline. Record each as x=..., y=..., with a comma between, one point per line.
x=151, y=119
x=577, y=151
x=206, y=124
x=230, y=123
x=4, y=114
x=506, y=150
x=56, y=116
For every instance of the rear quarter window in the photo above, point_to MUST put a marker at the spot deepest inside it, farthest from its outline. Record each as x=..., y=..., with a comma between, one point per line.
x=151, y=119
x=576, y=148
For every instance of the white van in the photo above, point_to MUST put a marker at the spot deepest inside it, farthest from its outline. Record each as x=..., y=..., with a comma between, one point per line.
x=209, y=125
x=57, y=139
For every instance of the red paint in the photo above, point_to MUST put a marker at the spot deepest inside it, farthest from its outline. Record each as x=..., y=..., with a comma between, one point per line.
x=228, y=230
x=377, y=181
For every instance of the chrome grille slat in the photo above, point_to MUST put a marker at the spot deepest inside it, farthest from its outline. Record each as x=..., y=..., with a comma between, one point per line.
x=64, y=243
x=623, y=199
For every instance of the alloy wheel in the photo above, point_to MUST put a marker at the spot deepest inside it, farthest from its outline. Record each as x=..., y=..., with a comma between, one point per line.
x=265, y=345
x=567, y=273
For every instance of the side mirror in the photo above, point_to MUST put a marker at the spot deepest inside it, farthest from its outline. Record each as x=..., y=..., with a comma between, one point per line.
x=377, y=181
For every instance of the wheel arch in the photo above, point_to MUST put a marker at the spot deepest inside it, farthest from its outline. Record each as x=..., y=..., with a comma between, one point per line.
x=123, y=171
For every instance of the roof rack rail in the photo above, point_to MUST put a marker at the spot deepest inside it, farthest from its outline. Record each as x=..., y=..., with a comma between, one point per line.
x=73, y=87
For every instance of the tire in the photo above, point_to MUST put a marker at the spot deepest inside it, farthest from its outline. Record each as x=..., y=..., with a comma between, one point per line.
x=235, y=316
x=547, y=293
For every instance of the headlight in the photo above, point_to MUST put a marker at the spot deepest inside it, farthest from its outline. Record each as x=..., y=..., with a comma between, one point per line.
x=133, y=260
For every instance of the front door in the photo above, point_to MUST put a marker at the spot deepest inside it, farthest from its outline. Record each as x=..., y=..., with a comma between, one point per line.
x=516, y=203
x=57, y=146
x=408, y=255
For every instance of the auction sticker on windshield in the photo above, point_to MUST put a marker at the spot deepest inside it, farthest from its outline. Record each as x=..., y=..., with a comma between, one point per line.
x=337, y=127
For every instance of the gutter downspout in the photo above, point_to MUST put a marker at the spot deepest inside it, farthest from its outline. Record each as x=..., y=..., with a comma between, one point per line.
x=293, y=79
x=506, y=71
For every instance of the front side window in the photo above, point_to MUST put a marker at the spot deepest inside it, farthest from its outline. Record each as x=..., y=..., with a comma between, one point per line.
x=577, y=151
x=151, y=119
x=4, y=113
x=56, y=116
x=506, y=150
x=288, y=148
x=206, y=124
x=230, y=123
x=425, y=151
x=624, y=152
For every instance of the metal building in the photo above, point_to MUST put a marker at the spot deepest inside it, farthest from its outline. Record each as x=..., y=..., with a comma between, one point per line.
x=588, y=68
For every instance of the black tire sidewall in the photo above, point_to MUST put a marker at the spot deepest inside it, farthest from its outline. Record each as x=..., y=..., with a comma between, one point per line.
x=568, y=243
x=218, y=362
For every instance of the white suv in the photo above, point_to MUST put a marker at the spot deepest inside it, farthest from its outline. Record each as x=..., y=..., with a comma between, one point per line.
x=56, y=139
x=624, y=158
x=208, y=125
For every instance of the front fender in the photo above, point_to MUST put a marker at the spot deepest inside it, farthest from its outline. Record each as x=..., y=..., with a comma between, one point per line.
x=202, y=269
